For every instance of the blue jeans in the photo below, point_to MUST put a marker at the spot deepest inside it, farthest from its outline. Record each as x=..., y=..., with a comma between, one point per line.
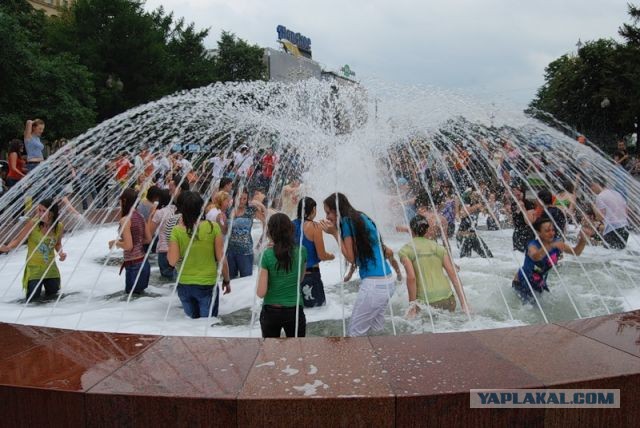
x=165, y=268
x=51, y=287
x=239, y=264
x=131, y=273
x=31, y=166
x=196, y=300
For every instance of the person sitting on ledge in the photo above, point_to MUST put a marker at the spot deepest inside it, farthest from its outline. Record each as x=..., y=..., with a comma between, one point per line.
x=541, y=256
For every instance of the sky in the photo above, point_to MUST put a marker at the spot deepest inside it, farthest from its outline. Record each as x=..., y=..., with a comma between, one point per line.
x=491, y=49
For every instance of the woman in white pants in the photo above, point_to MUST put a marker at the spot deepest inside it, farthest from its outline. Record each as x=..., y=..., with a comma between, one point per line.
x=361, y=244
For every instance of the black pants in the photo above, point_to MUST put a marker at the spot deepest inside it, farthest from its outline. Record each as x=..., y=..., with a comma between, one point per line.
x=491, y=224
x=312, y=289
x=617, y=238
x=475, y=243
x=51, y=288
x=273, y=319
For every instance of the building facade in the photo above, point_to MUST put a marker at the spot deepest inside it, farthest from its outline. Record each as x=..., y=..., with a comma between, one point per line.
x=50, y=7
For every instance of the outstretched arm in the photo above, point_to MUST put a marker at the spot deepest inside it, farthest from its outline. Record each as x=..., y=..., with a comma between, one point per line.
x=585, y=233
x=22, y=235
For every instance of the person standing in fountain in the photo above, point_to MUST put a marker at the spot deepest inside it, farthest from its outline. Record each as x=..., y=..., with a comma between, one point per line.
x=44, y=239
x=310, y=233
x=467, y=236
x=199, y=256
x=216, y=211
x=134, y=234
x=546, y=207
x=611, y=207
x=281, y=269
x=542, y=254
x=290, y=197
x=360, y=243
x=522, y=215
x=240, y=249
x=15, y=159
x=157, y=223
x=424, y=260
x=32, y=132
x=566, y=199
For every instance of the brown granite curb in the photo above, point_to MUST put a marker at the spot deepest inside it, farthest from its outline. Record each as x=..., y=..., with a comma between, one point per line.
x=53, y=377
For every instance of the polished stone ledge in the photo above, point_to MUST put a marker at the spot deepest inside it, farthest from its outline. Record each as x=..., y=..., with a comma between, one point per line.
x=54, y=377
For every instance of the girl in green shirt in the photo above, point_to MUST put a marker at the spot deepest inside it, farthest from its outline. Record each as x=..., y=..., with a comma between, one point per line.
x=424, y=260
x=281, y=271
x=199, y=256
x=44, y=237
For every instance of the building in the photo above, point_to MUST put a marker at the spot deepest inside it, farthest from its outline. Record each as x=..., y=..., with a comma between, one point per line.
x=50, y=7
x=294, y=61
x=283, y=66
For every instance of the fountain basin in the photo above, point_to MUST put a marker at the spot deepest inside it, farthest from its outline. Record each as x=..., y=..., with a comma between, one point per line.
x=105, y=379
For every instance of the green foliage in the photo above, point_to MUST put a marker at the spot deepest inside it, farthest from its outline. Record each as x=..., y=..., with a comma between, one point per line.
x=135, y=56
x=596, y=91
x=631, y=32
x=102, y=57
x=34, y=83
x=237, y=60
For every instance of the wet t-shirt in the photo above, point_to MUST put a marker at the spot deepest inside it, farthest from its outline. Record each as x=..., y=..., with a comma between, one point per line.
x=240, y=241
x=535, y=272
x=377, y=266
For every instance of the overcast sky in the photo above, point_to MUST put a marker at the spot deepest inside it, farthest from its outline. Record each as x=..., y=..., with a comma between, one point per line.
x=489, y=48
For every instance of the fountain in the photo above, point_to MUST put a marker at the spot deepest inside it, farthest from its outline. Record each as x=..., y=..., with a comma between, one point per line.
x=348, y=139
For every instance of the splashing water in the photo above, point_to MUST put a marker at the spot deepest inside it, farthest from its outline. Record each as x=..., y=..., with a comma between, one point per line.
x=359, y=140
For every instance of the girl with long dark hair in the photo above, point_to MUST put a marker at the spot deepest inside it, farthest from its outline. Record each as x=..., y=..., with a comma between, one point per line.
x=134, y=234
x=309, y=233
x=44, y=238
x=15, y=159
x=361, y=244
x=281, y=269
x=199, y=246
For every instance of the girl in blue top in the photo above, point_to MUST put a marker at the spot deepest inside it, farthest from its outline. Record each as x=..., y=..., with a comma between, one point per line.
x=310, y=233
x=542, y=254
x=361, y=244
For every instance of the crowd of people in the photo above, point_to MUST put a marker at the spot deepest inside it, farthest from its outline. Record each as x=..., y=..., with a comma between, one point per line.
x=199, y=219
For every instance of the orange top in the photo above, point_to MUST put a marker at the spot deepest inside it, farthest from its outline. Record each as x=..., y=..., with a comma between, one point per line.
x=122, y=167
x=15, y=173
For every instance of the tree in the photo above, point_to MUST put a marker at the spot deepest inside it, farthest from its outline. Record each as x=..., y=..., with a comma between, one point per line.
x=595, y=91
x=36, y=84
x=237, y=60
x=135, y=56
x=631, y=32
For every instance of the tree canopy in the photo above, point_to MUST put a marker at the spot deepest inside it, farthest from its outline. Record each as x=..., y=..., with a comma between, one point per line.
x=102, y=57
x=596, y=90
